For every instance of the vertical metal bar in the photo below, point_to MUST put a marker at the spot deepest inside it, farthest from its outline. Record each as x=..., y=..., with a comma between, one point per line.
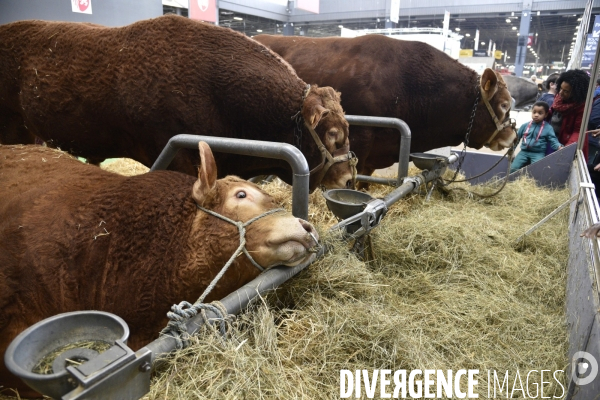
x=577, y=54
x=523, y=36
x=254, y=148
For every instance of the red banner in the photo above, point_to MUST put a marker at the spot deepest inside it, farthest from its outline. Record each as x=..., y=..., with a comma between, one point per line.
x=203, y=10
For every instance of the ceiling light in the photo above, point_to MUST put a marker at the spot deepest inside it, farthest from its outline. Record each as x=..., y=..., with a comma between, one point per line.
x=259, y=30
x=514, y=28
x=238, y=18
x=528, y=46
x=483, y=43
x=508, y=20
x=467, y=34
x=340, y=26
x=579, y=19
x=507, y=57
x=457, y=29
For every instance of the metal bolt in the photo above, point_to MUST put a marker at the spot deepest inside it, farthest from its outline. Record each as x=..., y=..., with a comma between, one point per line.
x=145, y=367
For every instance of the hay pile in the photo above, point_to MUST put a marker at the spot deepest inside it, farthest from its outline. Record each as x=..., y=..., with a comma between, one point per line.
x=449, y=289
x=124, y=166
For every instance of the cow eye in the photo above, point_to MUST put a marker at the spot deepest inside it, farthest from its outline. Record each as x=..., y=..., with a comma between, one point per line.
x=241, y=194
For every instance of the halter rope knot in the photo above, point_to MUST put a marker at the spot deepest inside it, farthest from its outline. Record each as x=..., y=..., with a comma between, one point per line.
x=182, y=312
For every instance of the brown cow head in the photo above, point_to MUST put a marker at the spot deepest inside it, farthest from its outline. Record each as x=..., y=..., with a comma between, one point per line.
x=493, y=89
x=276, y=239
x=323, y=112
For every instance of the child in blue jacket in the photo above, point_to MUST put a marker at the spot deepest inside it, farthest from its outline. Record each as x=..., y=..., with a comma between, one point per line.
x=535, y=134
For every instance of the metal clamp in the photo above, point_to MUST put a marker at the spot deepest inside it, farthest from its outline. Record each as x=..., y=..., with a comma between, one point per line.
x=417, y=181
x=116, y=373
x=370, y=217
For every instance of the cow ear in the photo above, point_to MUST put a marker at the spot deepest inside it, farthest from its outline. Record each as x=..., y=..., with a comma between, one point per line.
x=489, y=83
x=207, y=173
x=317, y=114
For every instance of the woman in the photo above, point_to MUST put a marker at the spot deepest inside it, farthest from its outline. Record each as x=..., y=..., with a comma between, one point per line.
x=566, y=112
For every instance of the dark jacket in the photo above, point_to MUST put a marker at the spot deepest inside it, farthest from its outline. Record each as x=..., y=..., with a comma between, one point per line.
x=594, y=122
x=548, y=98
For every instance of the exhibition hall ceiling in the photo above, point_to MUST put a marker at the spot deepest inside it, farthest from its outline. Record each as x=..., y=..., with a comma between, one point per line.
x=554, y=33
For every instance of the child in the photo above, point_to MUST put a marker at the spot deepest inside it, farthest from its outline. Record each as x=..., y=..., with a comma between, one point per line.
x=535, y=134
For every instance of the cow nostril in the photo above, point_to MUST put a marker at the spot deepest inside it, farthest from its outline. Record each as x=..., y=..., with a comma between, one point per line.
x=307, y=226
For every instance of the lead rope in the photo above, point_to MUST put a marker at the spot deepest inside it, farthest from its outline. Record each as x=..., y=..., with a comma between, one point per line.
x=182, y=312
x=505, y=180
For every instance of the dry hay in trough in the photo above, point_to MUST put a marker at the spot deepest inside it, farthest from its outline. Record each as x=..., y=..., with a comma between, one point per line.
x=449, y=289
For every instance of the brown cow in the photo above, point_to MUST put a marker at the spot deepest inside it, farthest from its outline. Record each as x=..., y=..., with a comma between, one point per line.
x=101, y=92
x=381, y=76
x=75, y=237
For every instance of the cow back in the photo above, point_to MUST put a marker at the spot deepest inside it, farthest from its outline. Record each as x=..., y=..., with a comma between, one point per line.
x=102, y=92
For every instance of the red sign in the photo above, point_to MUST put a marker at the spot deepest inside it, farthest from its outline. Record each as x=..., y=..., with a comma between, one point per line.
x=81, y=6
x=203, y=10
x=529, y=40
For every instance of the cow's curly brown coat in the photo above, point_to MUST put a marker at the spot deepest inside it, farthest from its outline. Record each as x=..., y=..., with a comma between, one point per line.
x=75, y=237
x=410, y=80
x=101, y=92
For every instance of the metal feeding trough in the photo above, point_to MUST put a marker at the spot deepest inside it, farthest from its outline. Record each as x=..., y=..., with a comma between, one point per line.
x=428, y=161
x=359, y=211
x=59, y=337
x=345, y=203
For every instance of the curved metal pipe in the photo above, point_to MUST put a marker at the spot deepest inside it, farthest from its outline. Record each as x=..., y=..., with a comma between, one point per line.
x=405, y=138
x=254, y=148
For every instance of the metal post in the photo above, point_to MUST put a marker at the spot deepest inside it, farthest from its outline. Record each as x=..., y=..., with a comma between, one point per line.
x=405, y=137
x=254, y=148
x=217, y=12
x=522, y=41
x=288, y=29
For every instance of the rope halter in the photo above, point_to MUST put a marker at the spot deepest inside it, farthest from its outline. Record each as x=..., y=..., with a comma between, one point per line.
x=242, y=231
x=328, y=159
x=183, y=311
x=499, y=125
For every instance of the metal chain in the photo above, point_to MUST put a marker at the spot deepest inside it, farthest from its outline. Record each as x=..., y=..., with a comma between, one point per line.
x=298, y=130
x=298, y=118
x=463, y=152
